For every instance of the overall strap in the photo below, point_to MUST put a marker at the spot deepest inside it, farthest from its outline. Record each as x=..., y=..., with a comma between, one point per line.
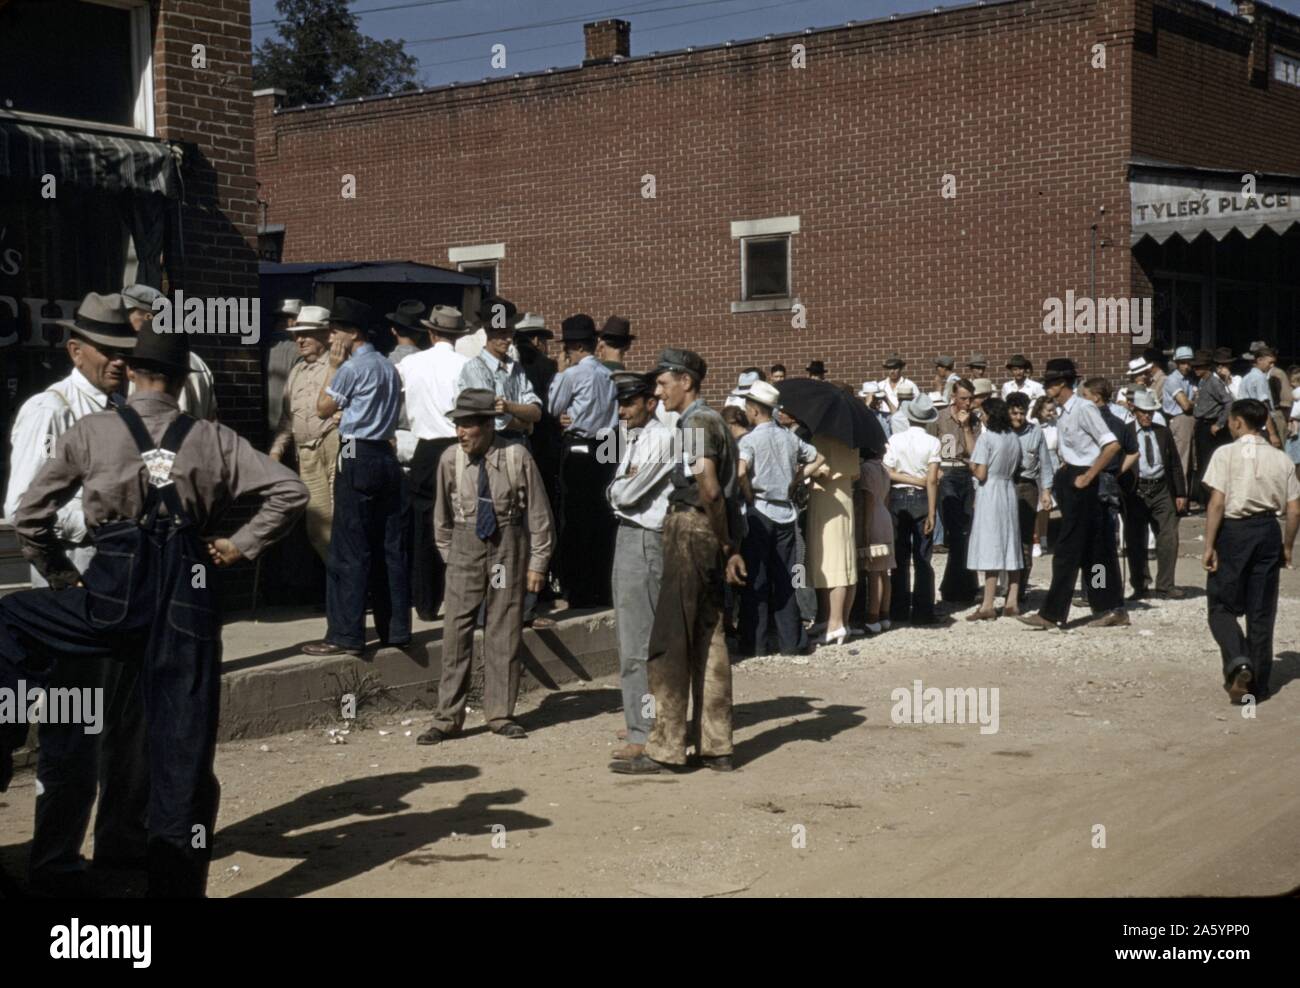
x=171, y=442
x=135, y=424
x=176, y=433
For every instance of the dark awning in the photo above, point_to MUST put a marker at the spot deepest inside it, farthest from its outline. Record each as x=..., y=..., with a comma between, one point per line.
x=86, y=159
x=378, y=272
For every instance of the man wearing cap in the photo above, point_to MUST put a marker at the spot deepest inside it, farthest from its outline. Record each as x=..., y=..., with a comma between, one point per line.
x=1086, y=446
x=1210, y=410
x=771, y=462
x=976, y=367
x=69, y=760
x=583, y=400
x=1154, y=493
x=158, y=485
x=639, y=497
x=893, y=380
x=912, y=459
x=1256, y=385
x=816, y=369
x=1020, y=382
x=958, y=428
x=518, y=407
x=944, y=376
x=199, y=398
x=615, y=341
x=1033, y=478
x=493, y=530
x=1250, y=484
x=315, y=440
x=408, y=332
x=368, y=553
x=688, y=653
x=281, y=355
x=430, y=383
x=1176, y=397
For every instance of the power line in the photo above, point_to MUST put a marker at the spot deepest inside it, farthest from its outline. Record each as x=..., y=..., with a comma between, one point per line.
x=370, y=10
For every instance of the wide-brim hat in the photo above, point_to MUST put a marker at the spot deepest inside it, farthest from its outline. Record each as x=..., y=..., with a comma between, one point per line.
x=409, y=316
x=764, y=393
x=921, y=410
x=1183, y=353
x=531, y=324
x=1255, y=348
x=445, y=320
x=617, y=330
x=578, y=328
x=1018, y=360
x=1144, y=401
x=168, y=352
x=977, y=360
x=310, y=319
x=497, y=313
x=102, y=319
x=981, y=386
x=350, y=312
x=1059, y=369
x=1261, y=350
x=289, y=307
x=905, y=390
x=816, y=367
x=894, y=360
x=474, y=403
x=869, y=389
x=1223, y=355
x=1139, y=365
x=1202, y=358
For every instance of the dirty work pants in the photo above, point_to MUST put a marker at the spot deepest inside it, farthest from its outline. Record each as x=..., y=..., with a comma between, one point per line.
x=477, y=571
x=688, y=653
x=368, y=548
x=316, y=467
x=428, y=573
x=1151, y=505
x=638, y=572
x=1246, y=583
x=140, y=606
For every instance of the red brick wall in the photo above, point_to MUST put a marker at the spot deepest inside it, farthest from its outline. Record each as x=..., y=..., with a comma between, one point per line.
x=1003, y=97
x=211, y=110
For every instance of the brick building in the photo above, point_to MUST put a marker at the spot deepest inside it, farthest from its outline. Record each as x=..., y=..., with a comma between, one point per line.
x=823, y=186
x=126, y=154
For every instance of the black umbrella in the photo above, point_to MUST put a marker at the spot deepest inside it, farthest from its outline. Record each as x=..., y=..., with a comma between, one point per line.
x=827, y=410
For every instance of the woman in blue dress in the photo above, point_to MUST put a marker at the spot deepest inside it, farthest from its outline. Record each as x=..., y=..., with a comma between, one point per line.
x=995, y=531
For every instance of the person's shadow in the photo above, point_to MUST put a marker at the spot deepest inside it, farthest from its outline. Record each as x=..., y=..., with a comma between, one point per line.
x=329, y=855
x=1286, y=667
x=824, y=724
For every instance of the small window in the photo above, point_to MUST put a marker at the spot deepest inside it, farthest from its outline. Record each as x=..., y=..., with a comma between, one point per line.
x=765, y=267
x=1286, y=69
x=487, y=271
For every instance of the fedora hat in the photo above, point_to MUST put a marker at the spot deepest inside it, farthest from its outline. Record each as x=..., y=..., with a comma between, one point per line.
x=816, y=367
x=311, y=318
x=474, y=403
x=289, y=307
x=1254, y=348
x=102, y=319
x=495, y=312
x=894, y=360
x=140, y=297
x=1202, y=358
x=531, y=324
x=409, y=314
x=977, y=360
x=350, y=312
x=161, y=351
x=921, y=410
x=1260, y=349
x=1019, y=360
x=869, y=389
x=1223, y=355
x=617, y=330
x=682, y=362
x=445, y=320
x=1144, y=401
x=983, y=387
x=905, y=389
x=1059, y=369
x=578, y=328
x=938, y=400
x=1138, y=365
x=947, y=363
x=764, y=393
x=1183, y=353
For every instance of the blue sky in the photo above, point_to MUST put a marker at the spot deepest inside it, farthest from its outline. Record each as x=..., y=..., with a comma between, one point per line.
x=531, y=46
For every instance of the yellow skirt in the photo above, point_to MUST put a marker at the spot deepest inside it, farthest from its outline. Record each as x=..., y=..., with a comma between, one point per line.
x=832, y=555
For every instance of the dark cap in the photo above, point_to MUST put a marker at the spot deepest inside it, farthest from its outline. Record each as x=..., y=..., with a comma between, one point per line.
x=102, y=319
x=580, y=328
x=1059, y=369
x=894, y=360
x=168, y=352
x=495, y=312
x=474, y=403
x=408, y=316
x=617, y=330
x=1019, y=360
x=682, y=361
x=633, y=385
x=945, y=362
x=350, y=312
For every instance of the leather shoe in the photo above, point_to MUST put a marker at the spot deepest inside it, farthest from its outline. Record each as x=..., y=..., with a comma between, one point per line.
x=641, y=765
x=1036, y=621
x=628, y=752
x=510, y=730
x=434, y=735
x=1174, y=594
x=1111, y=619
x=328, y=648
x=1239, y=685
x=719, y=763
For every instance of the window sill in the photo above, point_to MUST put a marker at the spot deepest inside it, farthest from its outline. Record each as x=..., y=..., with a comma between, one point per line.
x=764, y=305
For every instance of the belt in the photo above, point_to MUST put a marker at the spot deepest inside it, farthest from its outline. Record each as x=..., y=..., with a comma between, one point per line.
x=1252, y=517
x=954, y=464
x=1151, y=480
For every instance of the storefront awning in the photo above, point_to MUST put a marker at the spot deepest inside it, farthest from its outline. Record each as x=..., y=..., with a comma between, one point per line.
x=86, y=160
x=1189, y=201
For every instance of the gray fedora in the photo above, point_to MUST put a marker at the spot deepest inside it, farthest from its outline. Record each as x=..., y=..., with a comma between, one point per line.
x=102, y=319
x=921, y=410
x=445, y=320
x=474, y=403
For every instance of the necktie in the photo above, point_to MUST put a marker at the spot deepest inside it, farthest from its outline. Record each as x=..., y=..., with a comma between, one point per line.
x=1151, y=453
x=485, y=518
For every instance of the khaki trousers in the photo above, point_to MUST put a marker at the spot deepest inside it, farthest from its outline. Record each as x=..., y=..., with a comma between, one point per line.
x=316, y=467
x=1183, y=427
x=688, y=653
x=494, y=570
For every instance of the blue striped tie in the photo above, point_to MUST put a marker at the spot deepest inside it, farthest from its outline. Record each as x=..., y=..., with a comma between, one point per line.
x=485, y=521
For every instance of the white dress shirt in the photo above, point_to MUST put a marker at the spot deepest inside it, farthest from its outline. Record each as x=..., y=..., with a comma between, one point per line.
x=1081, y=432
x=429, y=383
x=1031, y=388
x=40, y=421
x=643, y=497
x=891, y=389
x=911, y=452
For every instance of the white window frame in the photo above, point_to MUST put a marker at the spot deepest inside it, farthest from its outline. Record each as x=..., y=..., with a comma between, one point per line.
x=479, y=256
x=773, y=228
x=141, y=69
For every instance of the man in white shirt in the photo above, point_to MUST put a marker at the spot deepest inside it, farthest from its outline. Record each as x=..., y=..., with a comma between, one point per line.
x=429, y=385
x=912, y=459
x=639, y=497
x=199, y=399
x=1020, y=367
x=69, y=770
x=893, y=379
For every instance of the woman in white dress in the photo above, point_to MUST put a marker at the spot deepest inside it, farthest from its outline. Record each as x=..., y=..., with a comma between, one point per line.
x=995, y=531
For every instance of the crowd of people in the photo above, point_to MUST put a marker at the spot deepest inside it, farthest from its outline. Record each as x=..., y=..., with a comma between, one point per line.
x=452, y=467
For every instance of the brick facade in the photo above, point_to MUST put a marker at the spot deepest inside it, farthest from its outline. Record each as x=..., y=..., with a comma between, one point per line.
x=1002, y=97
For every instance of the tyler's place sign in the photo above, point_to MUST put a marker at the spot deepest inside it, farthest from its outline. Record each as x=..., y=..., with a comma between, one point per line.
x=1164, y=206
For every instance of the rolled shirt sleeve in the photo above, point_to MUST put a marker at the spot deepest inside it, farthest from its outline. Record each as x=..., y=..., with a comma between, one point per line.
x=36, y=518
x=283, y=494
x=344, y=383
x=541, y=541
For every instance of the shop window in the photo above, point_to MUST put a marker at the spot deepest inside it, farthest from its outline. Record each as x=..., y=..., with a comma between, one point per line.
x=100, y=74
x=480, y=261
x=488, y=272
x=766, y=266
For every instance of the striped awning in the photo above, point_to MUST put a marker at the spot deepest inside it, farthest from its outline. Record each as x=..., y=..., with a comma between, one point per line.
x=1186, y=201
x=87, y=160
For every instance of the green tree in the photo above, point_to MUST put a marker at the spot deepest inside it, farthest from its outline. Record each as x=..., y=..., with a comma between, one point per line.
x=319, y=55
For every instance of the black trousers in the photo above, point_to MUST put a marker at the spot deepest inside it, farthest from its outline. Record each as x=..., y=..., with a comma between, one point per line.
x=1205, y=444
x=140, y=604
x=1150, y=505
x=1027, y=501
x=1246, y=583
x=368, y=548
x=428, y=571
x=1085, y=542
x=957, y=506
x=587, y=536
x=911, y=600
x=769, y=553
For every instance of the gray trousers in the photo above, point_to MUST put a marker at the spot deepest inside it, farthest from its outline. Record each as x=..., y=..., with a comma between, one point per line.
x=638, y=571
x=493, y=571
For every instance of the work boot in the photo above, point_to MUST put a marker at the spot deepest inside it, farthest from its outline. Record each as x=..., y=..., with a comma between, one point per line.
x=510, y=730
x=641, y=765
x=1239, y=685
